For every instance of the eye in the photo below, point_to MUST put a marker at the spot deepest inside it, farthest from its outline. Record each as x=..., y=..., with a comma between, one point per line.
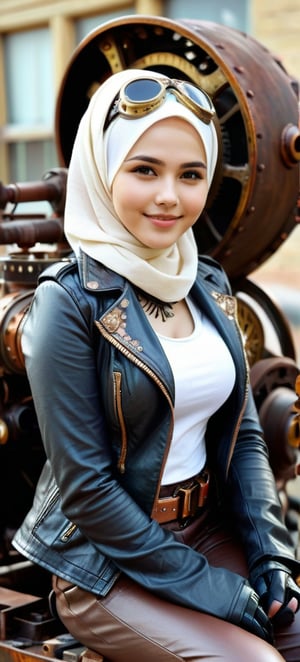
x=192, y=174
x=143, y=170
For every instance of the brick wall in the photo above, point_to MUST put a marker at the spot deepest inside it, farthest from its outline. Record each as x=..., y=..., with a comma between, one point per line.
x=276, y=23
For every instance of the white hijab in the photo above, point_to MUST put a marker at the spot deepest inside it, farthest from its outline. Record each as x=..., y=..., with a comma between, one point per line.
x=91, y=223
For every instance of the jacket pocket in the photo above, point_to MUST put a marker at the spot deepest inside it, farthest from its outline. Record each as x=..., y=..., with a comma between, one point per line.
x=72, y=555
x=121, y=420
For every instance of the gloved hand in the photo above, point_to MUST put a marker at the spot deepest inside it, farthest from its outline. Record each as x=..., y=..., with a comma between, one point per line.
x=249, y=615
x=273, y=581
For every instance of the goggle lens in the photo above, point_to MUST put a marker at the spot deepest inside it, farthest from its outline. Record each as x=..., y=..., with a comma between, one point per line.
x=196, y=95
x=142, y=91
x=139, y=97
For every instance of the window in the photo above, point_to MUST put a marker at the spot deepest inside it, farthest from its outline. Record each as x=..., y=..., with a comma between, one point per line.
x=29, y=78
x=85, y=25
x=29, y=105
x=234, y=13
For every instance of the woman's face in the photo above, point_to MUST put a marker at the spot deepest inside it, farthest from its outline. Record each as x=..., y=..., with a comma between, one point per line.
x=161, y=188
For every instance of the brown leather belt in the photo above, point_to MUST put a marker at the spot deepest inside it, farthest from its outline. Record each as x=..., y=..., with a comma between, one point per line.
x=187, y=498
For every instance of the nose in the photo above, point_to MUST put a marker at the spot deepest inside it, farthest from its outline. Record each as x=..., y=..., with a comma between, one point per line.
x=167, y=192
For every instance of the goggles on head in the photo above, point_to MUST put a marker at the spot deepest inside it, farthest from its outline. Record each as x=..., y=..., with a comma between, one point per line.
x=143, y=95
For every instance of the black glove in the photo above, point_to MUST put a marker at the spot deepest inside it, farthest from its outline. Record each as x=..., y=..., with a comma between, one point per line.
x=249, y=615
x=273, y=581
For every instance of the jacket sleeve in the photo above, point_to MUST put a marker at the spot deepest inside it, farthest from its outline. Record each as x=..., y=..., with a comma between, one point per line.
x=60, y=363
x=253, y=497
x=251, y=490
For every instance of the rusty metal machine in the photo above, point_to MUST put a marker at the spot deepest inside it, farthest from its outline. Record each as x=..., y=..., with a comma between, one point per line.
x=253, y=207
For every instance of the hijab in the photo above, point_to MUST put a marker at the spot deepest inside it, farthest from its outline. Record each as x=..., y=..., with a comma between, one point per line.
x=91, y=224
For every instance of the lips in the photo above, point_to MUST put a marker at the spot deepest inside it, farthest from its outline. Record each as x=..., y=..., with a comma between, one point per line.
x=161, y=220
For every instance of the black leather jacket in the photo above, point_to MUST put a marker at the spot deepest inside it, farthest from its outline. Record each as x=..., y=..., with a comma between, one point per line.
x=104, y=396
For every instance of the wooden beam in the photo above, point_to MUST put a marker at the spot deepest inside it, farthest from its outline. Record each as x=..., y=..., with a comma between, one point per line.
x=16, y=15
x=64, y=42
x=3, y=118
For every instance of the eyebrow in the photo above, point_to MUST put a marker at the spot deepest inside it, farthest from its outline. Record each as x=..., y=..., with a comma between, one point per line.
x=150, y=159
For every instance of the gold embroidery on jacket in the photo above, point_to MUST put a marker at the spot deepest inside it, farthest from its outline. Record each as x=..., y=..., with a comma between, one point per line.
x=227, y=303
x=115, y=322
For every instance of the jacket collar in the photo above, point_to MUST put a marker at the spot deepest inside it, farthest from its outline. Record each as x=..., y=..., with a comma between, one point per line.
x=220, y=308
x=95, y=277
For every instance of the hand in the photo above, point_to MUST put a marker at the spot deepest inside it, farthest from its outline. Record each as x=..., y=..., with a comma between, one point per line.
x=282, y=615
x=279, y=594
x=249, y=615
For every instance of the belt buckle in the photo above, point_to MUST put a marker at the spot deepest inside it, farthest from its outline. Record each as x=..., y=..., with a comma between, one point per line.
x=193, y=495
x=203, y=481
x=189, y=500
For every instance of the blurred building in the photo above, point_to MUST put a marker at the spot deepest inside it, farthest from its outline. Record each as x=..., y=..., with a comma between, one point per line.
x=37, y=38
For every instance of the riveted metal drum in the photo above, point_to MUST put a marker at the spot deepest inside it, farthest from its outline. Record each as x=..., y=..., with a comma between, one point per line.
x=252, y=206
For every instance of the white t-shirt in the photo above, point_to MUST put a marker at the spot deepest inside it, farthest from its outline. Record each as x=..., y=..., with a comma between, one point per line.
x=204, y=375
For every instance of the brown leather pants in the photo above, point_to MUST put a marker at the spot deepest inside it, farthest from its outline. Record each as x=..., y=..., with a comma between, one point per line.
x=132, y=625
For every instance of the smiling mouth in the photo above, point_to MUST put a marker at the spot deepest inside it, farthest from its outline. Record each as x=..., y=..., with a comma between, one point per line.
x=159, y=219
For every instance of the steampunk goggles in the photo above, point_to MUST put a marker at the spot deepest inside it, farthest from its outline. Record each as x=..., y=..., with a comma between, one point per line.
x=143, y=95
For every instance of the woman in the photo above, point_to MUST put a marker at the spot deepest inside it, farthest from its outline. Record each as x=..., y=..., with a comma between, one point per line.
x=156, y=511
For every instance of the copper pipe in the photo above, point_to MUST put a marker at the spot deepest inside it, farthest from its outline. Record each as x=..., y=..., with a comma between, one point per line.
x=26, y=233
x=51, y=188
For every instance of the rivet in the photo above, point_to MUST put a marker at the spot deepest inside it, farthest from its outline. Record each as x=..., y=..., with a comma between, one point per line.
x=93, y=284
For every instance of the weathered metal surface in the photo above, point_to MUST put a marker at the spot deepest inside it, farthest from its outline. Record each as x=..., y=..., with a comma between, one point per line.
x=252, y=207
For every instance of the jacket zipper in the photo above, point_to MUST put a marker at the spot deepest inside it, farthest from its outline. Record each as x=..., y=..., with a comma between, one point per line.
x=143, y=366
x=54, y=495
x=119, y=413
x=47, y=508
x=68, y=533
x=118, y=405
x=246, y=388
x=134, y=360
